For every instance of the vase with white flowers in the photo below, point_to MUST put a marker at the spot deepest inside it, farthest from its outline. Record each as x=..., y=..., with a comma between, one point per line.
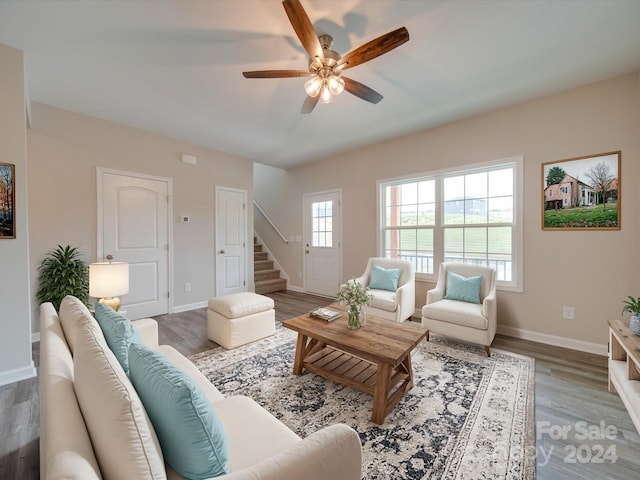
x=355, y=296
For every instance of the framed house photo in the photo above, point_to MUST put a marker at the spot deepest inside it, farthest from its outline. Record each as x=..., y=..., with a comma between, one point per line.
x=7, y=201
x=582, y=193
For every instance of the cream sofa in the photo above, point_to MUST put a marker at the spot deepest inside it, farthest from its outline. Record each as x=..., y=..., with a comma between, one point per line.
x=260, y=446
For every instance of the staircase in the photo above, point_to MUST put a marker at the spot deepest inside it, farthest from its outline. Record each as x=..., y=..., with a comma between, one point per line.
x=265, y=278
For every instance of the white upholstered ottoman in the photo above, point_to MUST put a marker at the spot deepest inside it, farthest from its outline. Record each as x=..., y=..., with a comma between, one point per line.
x=233, y=320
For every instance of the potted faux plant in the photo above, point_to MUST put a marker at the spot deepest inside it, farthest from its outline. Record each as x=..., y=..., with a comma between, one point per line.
x=356, y=296
x=63, y=272
x=632, y=305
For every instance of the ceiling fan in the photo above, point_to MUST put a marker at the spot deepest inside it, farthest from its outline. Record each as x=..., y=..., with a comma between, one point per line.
x=326, y=65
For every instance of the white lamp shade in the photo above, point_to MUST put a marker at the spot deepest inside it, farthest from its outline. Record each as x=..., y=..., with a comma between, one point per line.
x=108, y=279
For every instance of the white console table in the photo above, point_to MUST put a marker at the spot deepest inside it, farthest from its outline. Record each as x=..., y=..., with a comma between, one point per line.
x=624, y=367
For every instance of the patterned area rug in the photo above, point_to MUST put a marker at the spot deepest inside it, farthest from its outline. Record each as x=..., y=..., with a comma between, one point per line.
x=467, y=416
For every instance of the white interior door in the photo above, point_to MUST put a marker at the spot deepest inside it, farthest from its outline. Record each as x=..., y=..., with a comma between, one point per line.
x=231, y=251
x=133, y=227
x=322, y=238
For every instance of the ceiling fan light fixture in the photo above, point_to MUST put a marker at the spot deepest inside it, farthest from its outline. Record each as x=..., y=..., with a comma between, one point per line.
x=325, y=96
x=325, y=65
x=336, y=84
x=313, y=86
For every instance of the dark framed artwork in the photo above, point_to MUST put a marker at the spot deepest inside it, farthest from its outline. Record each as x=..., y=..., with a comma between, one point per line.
x=7, y=201
x=582, y=193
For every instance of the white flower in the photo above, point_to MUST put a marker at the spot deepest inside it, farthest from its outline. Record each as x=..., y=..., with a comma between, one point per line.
x=354, y=293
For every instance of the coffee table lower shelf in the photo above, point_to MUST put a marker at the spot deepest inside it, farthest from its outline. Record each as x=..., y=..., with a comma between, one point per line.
x=386, y=383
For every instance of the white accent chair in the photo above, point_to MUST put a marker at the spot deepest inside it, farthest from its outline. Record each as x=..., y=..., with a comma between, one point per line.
x=469, y=322
x=399, y=305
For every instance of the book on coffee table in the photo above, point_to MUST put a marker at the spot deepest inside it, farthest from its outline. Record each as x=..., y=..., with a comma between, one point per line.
x=325, y=314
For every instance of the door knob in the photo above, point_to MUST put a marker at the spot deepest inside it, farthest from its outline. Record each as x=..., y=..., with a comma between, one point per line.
x=306, y=251
x=109, y=257
x=222, y=251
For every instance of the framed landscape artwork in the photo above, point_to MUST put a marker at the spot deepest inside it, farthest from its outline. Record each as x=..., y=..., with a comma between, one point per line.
x=582, y=193
x=7, y=201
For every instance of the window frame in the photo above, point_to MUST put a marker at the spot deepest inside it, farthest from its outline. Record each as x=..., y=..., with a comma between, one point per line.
x=517, y=162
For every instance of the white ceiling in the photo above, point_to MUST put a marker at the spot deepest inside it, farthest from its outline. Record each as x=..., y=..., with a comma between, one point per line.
x=175, y=67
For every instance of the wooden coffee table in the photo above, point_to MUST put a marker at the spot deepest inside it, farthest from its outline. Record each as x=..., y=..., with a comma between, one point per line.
x=375, y=359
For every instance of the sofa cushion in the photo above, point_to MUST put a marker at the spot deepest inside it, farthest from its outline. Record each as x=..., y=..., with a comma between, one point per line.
x=464, y=289
x=465, y=314
x=384, y=278
x=74, y=316
x=118, y=331
x=65, y=445
x=192, y=437
x=253, y=433
x=384, y=300
x=122, y=435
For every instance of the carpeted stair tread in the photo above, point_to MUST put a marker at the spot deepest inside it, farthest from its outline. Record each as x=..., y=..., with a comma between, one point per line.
x=262, y=265
x=266, y=279
x=270, y=285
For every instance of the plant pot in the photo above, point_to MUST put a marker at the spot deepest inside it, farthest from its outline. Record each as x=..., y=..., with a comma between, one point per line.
x=634, y=324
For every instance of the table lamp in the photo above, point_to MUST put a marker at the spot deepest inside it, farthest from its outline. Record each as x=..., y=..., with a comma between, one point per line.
x=107, y=280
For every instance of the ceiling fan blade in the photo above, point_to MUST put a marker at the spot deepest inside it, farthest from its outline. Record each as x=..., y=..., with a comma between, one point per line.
x=361, y=90
x=374, y=48
x=309, y=104
x=276, y=73
x=303, y=28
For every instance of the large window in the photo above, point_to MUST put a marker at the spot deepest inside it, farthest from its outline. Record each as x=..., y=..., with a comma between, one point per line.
x=409, y=222
x=469, y=215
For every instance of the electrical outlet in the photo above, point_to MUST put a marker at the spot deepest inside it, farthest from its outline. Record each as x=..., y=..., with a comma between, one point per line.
x=568, y=313
x=187, y=287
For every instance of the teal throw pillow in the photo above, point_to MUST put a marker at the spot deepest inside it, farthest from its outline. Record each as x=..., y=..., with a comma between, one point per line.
x=385, y=278
x=465, y=289
x=191, y=434
x=118, y=331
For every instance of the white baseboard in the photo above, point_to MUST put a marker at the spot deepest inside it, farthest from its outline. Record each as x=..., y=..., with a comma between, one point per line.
x=190, y=306
x=293, y=288
x=35, y=337
x=554, y=340
x=17, y=374
x=547, y=339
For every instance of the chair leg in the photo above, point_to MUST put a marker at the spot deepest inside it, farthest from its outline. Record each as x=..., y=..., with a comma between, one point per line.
x=427, y=337
x=487, y=348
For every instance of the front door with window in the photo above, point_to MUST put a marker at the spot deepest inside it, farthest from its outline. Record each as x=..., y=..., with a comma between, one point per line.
x=322, y=243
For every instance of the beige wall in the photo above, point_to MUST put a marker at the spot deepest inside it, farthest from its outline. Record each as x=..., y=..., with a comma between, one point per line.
x=15, y=312
x=593, y=119
x=64, y=150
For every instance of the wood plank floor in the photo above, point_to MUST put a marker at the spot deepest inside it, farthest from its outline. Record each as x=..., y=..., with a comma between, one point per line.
x=583, y=431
